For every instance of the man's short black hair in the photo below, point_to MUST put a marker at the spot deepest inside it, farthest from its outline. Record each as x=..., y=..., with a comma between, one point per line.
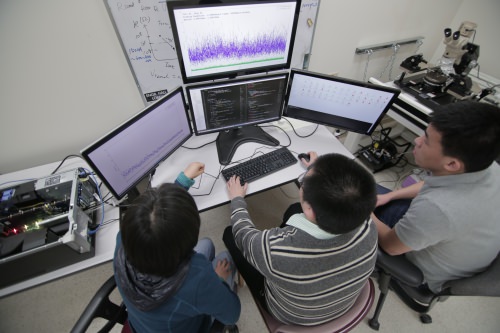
x=160, y=230
x=341, y=193
x=470, y=132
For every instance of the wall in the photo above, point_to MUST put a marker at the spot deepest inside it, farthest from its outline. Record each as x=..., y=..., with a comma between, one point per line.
x=65, y=80
x=486, y=14
x=344, y=26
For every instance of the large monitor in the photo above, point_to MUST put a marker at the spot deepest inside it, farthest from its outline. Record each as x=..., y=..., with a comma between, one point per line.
x=355, y=106
x=130, y=152
x=234, y=107
x=229, y=38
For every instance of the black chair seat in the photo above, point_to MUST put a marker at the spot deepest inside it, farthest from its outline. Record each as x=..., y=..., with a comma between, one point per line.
x=406, y=280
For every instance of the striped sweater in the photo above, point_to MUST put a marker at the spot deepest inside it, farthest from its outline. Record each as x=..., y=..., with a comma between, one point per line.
x=309, y=279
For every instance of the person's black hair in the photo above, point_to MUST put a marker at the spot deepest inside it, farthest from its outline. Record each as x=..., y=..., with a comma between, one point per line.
x=341, y=193
x=160, y=230
x=470, y=132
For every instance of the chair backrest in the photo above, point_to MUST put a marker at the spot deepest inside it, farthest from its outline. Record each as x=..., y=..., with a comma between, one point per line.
x=486, y=283
x=101, y=306
x=344, y=323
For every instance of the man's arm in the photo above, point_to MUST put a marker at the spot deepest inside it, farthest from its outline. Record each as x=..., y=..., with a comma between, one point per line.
x=388, y=240
x=408, y=192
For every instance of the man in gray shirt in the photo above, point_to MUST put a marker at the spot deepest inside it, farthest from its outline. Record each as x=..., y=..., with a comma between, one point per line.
x=451, y=229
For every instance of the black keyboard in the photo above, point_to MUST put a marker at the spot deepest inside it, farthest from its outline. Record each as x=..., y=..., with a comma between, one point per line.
x=261, y=166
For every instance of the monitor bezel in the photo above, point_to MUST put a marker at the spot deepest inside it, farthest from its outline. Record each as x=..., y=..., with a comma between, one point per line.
x=316, y=117
x=215, y=84
x=120, y=128
x=230, y=74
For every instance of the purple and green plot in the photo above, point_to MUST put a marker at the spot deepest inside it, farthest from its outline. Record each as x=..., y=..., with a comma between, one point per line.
x=217, y=49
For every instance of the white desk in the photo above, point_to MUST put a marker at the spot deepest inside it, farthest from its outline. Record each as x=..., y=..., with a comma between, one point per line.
x=322, y=142
x=105, y=237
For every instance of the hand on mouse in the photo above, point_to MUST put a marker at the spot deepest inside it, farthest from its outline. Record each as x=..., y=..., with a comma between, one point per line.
x=313, y=156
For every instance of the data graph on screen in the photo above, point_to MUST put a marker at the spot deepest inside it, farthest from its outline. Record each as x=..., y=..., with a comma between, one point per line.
x=220, y=39
x=227, y=51
x=131, y=151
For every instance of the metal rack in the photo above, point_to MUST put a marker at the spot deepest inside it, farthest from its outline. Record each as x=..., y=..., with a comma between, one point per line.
x=381, y=46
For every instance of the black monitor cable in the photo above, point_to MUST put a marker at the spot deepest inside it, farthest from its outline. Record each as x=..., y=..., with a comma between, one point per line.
x=297, y=134
x=60, y=164
x=203, y=145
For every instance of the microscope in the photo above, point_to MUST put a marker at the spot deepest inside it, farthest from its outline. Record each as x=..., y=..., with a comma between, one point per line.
x=459, y=58
x=448, y=81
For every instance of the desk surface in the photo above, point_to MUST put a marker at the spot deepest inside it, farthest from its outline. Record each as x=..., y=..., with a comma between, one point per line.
x=208, y=192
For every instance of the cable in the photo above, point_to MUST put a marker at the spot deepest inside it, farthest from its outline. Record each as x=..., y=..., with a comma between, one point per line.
x=90, y=174
x=289, y=140
x=71, y=155
x=390, y=63
x=294, y=131
x=194, y=148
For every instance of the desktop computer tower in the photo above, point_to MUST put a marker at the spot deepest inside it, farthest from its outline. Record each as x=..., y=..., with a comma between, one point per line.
x=44, y=225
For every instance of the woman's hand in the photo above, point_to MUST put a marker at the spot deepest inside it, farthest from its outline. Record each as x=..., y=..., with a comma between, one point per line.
x=194, y=169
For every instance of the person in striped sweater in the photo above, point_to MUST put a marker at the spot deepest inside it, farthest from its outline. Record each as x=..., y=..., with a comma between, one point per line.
x=311, y=269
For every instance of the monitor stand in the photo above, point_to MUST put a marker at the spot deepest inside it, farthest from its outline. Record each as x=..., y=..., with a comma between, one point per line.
x=228, y=141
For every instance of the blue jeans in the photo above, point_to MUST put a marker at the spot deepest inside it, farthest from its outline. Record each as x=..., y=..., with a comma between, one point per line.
x=206, y=247
x=393, y=211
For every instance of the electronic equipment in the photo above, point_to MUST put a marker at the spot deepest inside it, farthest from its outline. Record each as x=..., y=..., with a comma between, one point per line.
x=233, y=107
x=427, y=87
x=130, y=152
x=412, y=63
x=44, y=225
x=448, y=82
x=261, y=166
x=230, y=38
x=355, y=106
x=383, y=153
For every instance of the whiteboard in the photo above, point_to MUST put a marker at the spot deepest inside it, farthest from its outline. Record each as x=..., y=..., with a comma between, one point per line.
x=305, y=34
x=145, y=33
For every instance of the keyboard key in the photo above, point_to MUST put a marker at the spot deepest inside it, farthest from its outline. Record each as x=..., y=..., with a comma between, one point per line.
x=261, y=166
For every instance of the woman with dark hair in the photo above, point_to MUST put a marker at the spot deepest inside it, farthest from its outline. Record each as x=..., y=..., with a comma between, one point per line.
x=164, y=274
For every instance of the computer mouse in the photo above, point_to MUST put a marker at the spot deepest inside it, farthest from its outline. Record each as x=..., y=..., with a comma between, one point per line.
x=304, y=156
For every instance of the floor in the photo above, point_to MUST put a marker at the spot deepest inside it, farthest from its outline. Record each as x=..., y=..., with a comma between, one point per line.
x=55, y=306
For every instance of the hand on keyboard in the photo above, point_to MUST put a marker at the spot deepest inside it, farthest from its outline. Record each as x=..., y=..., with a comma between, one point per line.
x=260, y=166
x=235, y=188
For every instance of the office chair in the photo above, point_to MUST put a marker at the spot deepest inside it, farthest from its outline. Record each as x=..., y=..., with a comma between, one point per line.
x=344, y=323
x=400, y=275
x=101, y=306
